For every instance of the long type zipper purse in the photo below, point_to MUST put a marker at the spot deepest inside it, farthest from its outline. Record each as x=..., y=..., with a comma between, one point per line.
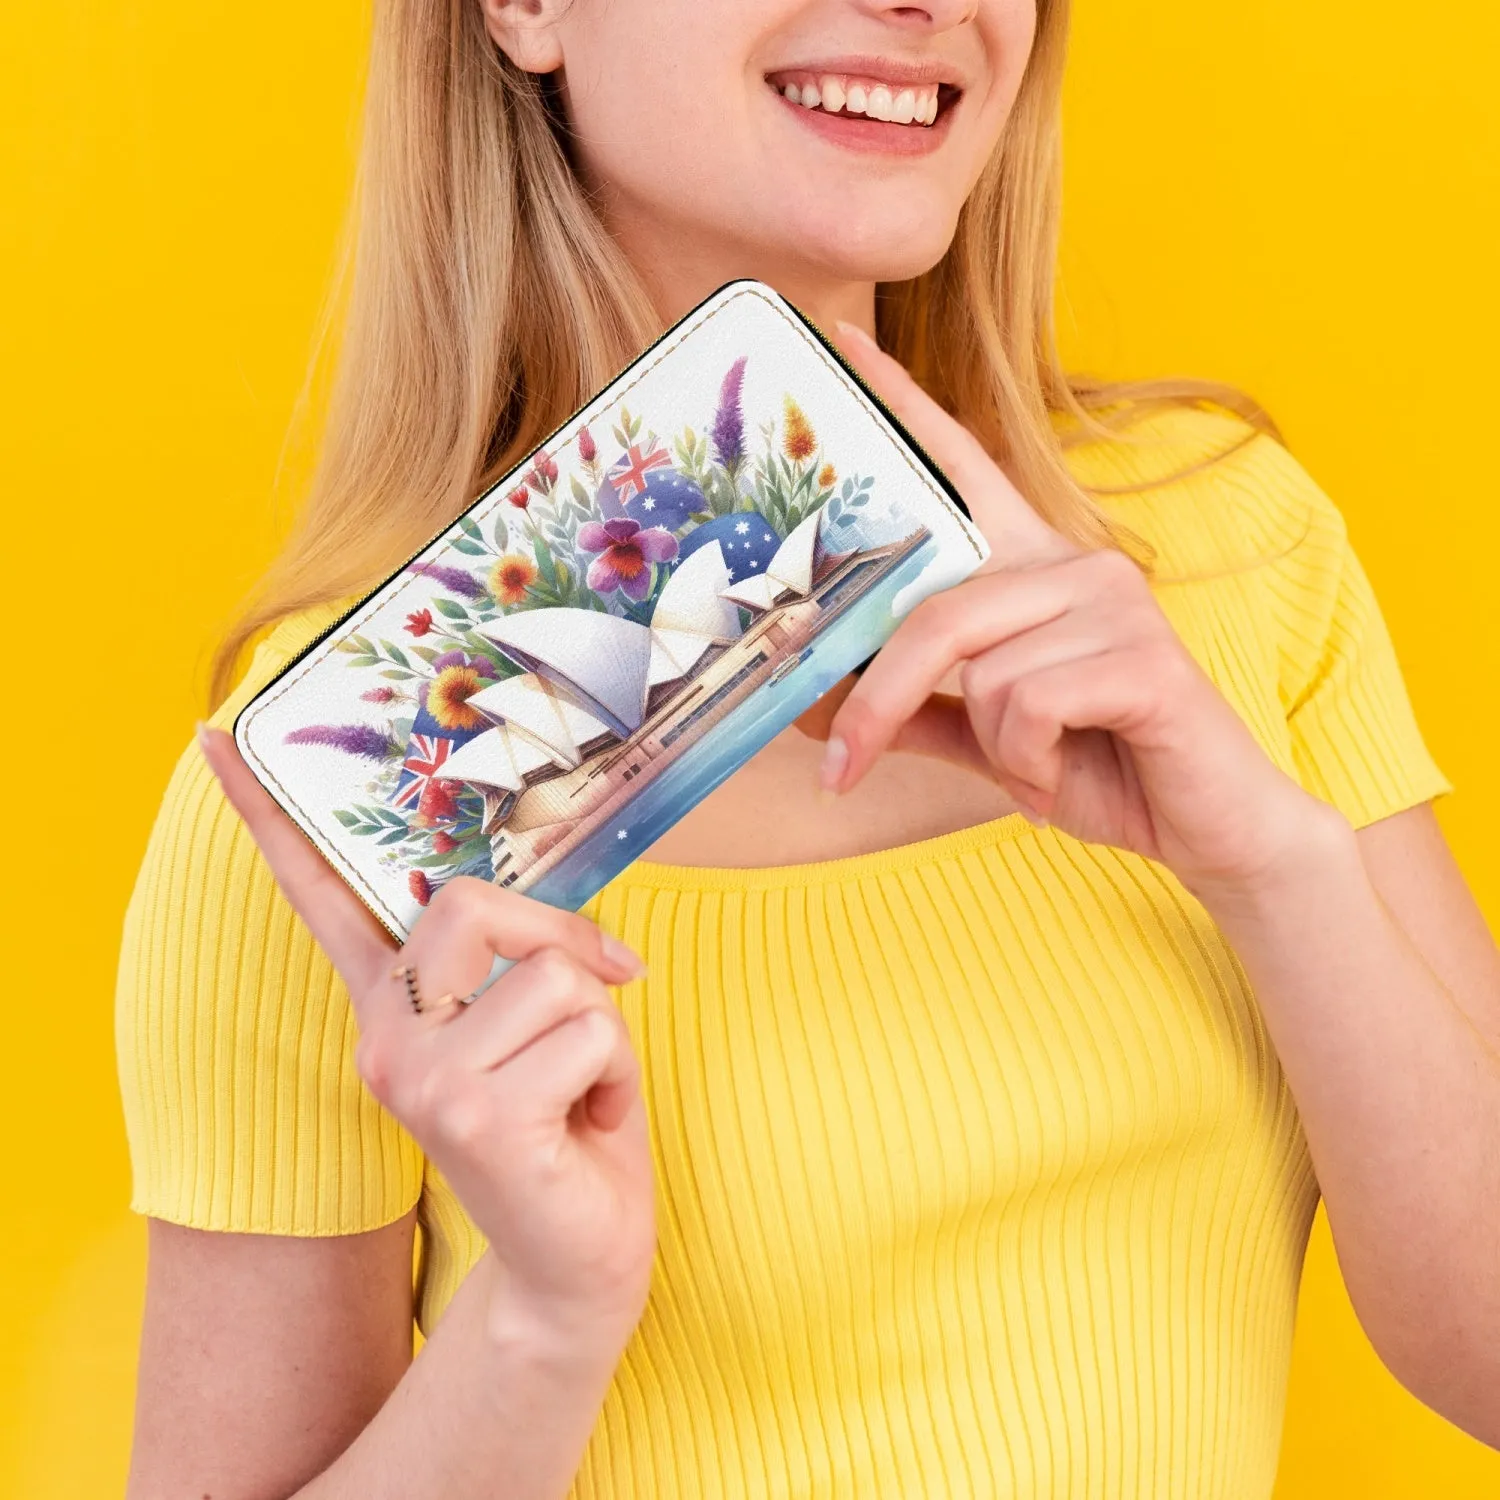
x=725, y=531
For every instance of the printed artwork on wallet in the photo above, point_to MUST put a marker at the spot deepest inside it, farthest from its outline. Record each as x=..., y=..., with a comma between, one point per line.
x=722, y=534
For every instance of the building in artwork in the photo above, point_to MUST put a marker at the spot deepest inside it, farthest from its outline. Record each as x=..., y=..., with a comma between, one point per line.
x=603, y=704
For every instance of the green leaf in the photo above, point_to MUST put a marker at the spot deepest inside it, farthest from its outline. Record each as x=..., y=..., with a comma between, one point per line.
x=468, y=548
x=395, y=836
x=469, y=526
x=450, y=609
x=544, y=562
x=348, y=819
x=425, y=653
x=397, y=655
x=364, y=830
x=398, y=674
x=389, y=815
x=365, y=661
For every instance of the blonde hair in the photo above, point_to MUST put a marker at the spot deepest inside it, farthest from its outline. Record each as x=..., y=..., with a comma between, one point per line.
x=484, y=302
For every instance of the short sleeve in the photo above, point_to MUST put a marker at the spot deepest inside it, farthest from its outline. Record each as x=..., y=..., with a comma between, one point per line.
x=235, y=1038
x=1354, y=736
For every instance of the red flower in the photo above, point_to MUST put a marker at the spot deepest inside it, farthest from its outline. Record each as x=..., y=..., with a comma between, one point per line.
x=419, y=886
x=419, y=623
x=543, y=473
x=519, y=498
x=586, y=449
x=438, y=804
x=444, y=843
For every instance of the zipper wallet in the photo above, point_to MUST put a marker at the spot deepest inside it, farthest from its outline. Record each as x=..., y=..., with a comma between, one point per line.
x=724, y=532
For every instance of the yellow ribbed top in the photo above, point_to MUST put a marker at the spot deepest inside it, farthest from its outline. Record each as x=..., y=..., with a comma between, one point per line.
x=976, y=1172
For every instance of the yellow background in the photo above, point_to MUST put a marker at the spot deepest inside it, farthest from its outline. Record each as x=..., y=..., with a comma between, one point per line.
x=1297, y=198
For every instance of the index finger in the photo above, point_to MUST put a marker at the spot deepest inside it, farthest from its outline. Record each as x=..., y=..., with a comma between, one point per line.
x=1016, y=533
x=341, y=924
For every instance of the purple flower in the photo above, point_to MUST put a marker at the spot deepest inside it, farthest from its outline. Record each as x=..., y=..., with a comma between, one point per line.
x=481, y=664
x=352, y=739
x=625, y=554
x=456, y=580
x=728, y=431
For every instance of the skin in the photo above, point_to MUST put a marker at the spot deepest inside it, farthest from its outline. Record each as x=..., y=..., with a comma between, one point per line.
x=1051, y=684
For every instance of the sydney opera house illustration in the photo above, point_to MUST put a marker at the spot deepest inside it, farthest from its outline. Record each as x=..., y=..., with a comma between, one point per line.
x=603, y=705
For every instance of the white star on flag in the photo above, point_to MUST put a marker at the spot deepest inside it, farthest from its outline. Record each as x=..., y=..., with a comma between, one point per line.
x=622, y=834
x=742, y=528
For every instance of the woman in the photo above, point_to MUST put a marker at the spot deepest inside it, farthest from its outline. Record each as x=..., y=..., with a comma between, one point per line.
x=963, y=1134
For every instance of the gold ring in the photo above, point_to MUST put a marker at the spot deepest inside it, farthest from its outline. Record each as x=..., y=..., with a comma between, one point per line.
x=408, y=976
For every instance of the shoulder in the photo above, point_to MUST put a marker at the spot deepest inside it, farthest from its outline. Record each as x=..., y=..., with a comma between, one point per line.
x=1208, y=491
x=291, y=635
x=233, y=1033
x=196, y=839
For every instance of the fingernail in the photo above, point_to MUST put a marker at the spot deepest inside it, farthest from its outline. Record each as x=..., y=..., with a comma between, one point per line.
x=835, y=763
x=200, y=729
x=856, y=333
x=623, y=957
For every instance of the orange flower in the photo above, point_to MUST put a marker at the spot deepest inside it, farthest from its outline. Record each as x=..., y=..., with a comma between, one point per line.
x=826, y=475
x=511, y=576
x=446, y=698
x=798, y=441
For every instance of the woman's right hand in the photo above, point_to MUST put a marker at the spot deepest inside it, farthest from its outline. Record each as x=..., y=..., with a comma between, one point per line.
x=528, y=1100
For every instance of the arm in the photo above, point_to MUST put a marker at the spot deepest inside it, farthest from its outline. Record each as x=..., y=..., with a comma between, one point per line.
x=1380, y=986
x=1378, y=982
x=273, y=1366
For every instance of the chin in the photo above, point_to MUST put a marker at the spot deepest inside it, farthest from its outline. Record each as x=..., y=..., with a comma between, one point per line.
x=886, y=257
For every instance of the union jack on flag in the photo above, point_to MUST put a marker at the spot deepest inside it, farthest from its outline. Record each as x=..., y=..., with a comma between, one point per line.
x=427, y=747
x=424, y=754
x=628, y=474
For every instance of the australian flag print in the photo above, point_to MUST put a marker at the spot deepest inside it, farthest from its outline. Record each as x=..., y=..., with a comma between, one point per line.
x=427, y=747
x=745, y=537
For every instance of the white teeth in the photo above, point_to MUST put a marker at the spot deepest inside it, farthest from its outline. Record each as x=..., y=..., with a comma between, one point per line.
x=911, y=106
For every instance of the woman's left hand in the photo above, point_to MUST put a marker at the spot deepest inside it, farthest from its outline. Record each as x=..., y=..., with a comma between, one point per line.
x=1076, y=694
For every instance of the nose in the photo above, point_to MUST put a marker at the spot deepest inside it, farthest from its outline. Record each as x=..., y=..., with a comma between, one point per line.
x=931, y=15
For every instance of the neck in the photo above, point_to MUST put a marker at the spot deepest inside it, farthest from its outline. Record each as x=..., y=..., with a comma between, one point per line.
x=680, y=267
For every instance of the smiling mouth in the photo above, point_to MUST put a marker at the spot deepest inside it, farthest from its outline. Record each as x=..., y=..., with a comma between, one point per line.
x=917, y=106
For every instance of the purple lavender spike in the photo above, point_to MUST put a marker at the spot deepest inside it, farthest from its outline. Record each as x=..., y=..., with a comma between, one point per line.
x=728, y=431
x=456, y=580
x=352, y=739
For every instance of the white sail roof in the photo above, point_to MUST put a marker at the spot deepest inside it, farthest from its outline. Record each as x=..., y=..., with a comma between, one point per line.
x=536, y=707
x=791, y=567
x=759, y=591
x=600, y=658
x=690, y=616
x=690, y=602
x=497, y=758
